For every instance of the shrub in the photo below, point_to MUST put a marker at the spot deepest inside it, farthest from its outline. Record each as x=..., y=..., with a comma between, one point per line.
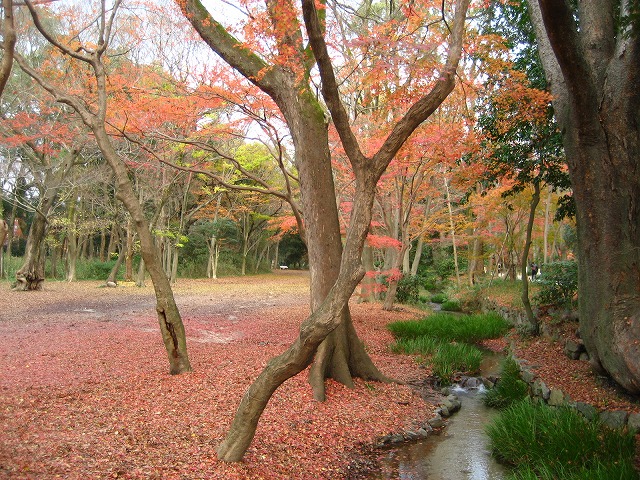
x=408, y=289
x=559, y=443
x=509, y=389
x=95, y=269
x=439, y=298
x=558, y=283
x=451, y=306
x=450, y=358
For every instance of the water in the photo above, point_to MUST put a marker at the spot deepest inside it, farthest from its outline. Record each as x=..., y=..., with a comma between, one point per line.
x=460, y=452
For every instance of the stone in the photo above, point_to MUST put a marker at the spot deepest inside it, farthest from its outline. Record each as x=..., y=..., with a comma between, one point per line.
x=614, y=419
x=556, y=398
x=527, y=375
x=411, y=435
x=443, y=411
x=540, y=389
x=633, y=422
x=396, y=438
x=436, y=422
x=588, y=411
x=584, y=357
x=574, y=349
x=472, y=382
x=111, y=284
x=422, y=433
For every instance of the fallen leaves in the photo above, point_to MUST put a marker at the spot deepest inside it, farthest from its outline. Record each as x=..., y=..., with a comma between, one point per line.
x=85, y=391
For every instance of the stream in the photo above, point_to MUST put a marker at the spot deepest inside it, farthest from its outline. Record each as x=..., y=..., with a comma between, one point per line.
x=459, y=452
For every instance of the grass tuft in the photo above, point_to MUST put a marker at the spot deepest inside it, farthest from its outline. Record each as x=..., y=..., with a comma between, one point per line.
x=509, y=389
x=545, y=442
x=445, y=340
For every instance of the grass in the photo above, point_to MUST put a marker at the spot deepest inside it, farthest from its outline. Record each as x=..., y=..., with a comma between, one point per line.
x=445, y=340
x=449, y=327
x=509, y=389
x=451, y=306
x=544, y=442
x=439, y=298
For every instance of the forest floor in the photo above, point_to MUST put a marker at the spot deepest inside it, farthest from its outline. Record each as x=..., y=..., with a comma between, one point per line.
x=85, y=391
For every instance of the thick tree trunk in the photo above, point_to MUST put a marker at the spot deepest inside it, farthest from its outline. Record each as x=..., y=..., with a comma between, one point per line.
x=30, y=276
x=534, y=327
x=594, y=70
x=325, y=318
x=342, y=354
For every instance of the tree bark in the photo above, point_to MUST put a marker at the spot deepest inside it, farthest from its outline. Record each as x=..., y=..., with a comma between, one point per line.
x=594, y=68
x=31, y=276
x=534, y=327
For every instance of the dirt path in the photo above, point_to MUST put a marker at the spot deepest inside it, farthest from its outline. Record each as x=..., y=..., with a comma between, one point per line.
x=84, y=389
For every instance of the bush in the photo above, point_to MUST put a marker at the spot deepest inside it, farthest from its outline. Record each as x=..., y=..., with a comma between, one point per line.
x=451, y=306
x=559, y=443
x=439, y=298
x=95, y=269
x=509, y=389
x=442, y=337
x=558, y=283
x=409, y=289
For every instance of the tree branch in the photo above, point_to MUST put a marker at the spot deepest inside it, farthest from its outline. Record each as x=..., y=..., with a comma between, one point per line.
x=230, y=49
x=8, y=43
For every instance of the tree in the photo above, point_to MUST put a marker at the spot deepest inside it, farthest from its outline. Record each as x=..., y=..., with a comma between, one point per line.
x=591, y=57
x=304, y=116
x=92, y=108
x=284, y=75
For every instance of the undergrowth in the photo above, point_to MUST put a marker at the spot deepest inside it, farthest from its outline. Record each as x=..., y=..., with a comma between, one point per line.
x=509, y=389
x=444, y=340
x=550, y=443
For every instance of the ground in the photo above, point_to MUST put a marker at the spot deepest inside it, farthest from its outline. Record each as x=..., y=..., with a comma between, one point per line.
x=85, y=391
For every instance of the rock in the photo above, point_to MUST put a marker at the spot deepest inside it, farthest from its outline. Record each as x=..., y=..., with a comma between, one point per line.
x=614, y=419
x=411, y=435
x=556, y=398
x=588, y=411
x=574, y=349
x=436, y=422
x=527, y=375
x=423, y=433
x=396, y=438
x=584, y=357
x=633, y=422
x=472, y=382
x=540, y=389
x=111, y=284
x=443, y=411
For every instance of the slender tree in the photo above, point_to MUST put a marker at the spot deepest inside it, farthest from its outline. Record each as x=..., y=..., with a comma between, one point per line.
x=94, y=117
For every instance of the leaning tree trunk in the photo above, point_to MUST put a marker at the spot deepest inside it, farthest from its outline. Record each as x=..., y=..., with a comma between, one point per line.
x=171, y=326
x=594, y=70
x=534, y=327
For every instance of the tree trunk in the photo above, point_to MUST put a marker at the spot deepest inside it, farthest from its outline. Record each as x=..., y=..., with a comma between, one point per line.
x=594, y=72
x=534, y=327
x=30, y=276
x=72, y=242
x=171, y=326
x=113, y=274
